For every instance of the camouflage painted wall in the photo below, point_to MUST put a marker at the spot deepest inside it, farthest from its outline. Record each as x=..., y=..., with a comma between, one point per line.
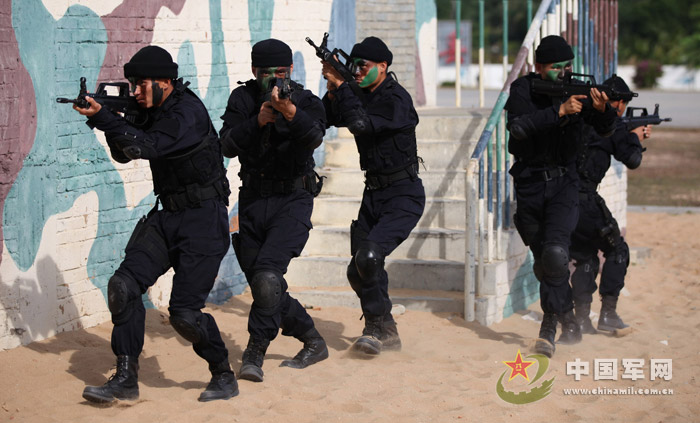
x=67, y=208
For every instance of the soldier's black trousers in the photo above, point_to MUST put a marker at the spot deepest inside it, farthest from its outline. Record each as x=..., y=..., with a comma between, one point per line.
x=387, y=216
x=273, y=230
x=547, y=212
x=192, y=241
x=597, y=232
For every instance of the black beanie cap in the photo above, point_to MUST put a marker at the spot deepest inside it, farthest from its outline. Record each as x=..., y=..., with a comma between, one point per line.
x=374, y=49
x=270, y=53
x=553, y=49
x=153, y=62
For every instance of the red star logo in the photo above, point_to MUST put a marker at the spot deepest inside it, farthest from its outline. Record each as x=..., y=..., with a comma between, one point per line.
x=519, y=367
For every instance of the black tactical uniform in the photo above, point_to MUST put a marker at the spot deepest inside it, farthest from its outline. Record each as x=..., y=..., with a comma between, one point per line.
x=383, y=124
x=189, y=233
x=597, y=229
x=546, y=186
x=275, y=205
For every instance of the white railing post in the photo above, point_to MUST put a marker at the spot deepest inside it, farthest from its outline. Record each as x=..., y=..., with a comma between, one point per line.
x=471, y=242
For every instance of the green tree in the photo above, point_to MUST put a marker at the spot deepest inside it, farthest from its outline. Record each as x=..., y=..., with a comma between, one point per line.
x=665, y=31
x=493, y=23
x=690, y=44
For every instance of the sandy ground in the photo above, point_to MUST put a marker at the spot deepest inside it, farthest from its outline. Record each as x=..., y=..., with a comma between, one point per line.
x=447, y=370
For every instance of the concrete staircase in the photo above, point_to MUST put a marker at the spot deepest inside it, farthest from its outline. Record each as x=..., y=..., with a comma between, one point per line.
x=426, y=272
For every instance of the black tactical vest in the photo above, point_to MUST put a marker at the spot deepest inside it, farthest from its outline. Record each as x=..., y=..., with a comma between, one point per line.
x=191, y=175
x=387, y=151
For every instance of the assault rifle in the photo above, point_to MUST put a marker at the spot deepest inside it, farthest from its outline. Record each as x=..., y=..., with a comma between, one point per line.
x=643, y=119
x=567, y=87
x=285, y=90
x=344, y=69
x=284, y=85
x=121, y=103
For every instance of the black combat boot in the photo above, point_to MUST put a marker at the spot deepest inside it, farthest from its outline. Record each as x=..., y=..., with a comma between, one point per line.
x=122, y=385
x=609, y=321
x=570, y=331
x=223, y=383
x=370, y=341
x=583, y=319
x=548, y=329
x=390, y=335
x=314, y=350
x=253, y=356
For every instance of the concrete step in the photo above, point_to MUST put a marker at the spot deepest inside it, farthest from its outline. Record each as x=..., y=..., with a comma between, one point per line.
x=445, y=123
x=437, y=183
x=340, y=211
x=453, y=124
x=326, y=271
x=420, y=300
x=436, y=154
x=422, y=243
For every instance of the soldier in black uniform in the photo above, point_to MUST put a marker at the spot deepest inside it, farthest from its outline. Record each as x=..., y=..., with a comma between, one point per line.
x=383, y=122
x=274, y=135
x=189, y=233
x=545, y=135
x=597, y=229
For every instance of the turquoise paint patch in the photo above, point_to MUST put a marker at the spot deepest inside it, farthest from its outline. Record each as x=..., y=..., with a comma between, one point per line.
x=66, y=160
x=299, y=71
x=342, y=31
x=260, y=14
x=187, y=68
x=426, y=10
x=230, y=279
x=33, y=197
x=525, y=289
x=219, y=89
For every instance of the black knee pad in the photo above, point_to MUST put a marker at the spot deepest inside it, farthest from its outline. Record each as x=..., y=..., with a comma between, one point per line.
x=354, y=277
x=555, y=261
x=122, y=292
x=369, y=260
x=190, y=324
x=267, y=289
x=621, y=254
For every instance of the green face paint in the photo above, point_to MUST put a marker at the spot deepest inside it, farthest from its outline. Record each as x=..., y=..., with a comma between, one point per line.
x=556, y=70
x=264, y=76
x=369, y=78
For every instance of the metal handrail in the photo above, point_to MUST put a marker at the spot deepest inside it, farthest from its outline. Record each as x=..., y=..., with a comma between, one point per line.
x=596, y=53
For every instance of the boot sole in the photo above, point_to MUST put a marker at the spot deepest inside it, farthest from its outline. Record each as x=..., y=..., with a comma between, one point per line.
x=207, y=398
x=365, y=347
x=102, y=399
x=589, y=331
x=544, y=347
x=570, y=341
x=251, y=373
x=296, y=364
x=619, y=332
